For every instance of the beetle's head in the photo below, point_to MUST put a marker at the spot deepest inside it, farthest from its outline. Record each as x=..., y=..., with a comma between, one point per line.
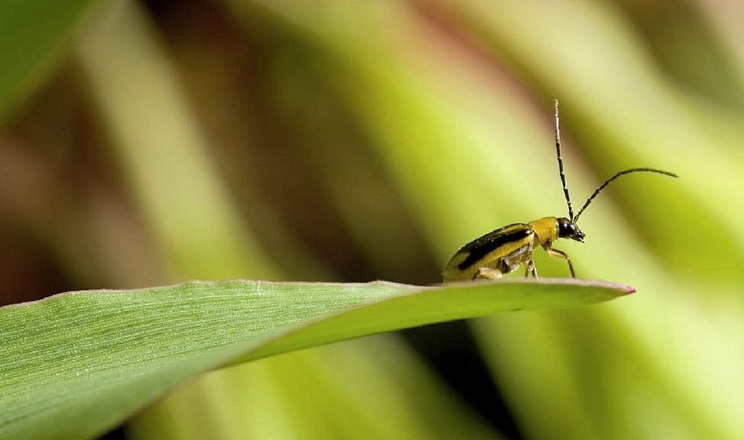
x=569, y=229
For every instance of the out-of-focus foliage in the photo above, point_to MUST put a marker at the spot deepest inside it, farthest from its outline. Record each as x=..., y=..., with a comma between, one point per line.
x=353, y=141
x=32, y=32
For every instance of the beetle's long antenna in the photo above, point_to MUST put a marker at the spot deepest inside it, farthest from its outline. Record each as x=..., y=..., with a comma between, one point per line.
x=608, y=181
x=560, y=159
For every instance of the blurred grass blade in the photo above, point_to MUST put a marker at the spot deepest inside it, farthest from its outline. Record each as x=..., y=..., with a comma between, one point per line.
x=29, y=32
x=164, y=154
x=78, y=363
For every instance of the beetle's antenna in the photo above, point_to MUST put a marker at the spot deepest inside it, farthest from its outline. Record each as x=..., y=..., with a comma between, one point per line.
x=560, y=159
x=608, y=181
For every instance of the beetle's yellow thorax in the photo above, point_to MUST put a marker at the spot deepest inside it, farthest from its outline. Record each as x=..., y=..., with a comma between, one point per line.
x=546, y=229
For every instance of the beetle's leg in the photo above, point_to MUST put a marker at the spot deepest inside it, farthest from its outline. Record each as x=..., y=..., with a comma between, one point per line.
x=488, y=273
x=555, y=253
x=529, y=263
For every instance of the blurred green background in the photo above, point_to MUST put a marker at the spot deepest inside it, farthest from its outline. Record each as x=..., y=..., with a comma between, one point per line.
x=152, y=142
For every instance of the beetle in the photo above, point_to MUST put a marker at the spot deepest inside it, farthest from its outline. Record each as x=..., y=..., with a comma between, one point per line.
x=505, y=249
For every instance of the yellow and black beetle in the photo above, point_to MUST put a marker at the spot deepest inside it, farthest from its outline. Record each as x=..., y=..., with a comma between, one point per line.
x=505, y=249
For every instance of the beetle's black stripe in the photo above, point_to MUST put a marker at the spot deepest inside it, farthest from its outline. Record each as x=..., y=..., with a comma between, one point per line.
x=481, y=247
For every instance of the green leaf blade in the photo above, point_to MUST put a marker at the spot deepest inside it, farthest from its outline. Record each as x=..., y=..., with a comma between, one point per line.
x=76, y=364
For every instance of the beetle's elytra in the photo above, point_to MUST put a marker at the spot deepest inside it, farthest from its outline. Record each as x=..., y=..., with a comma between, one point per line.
x=505, y=249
